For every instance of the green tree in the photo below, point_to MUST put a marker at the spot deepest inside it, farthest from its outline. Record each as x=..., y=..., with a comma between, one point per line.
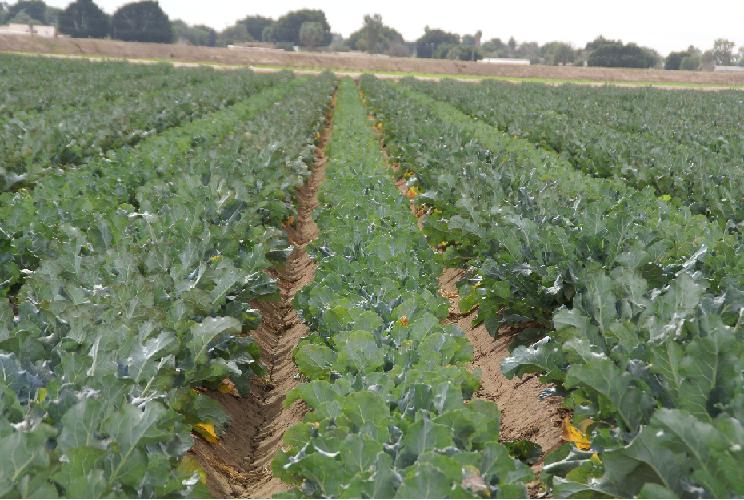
x=255, y=25
x=723, y=52
x=312, y=34
x=494, y=48
x=512, y=44
x=613, y=54
x=674, y=60
x=35, y=9
x=558, y=53
x=375, y=37
x=142, y=22
x=287, y=27
x=194, y=35
x=267, y=35
x=84, y=19
x=52, y=15
x=237, y=33
x=429, y=42
x=691, y=62
x=23, y=18
x=528, y=50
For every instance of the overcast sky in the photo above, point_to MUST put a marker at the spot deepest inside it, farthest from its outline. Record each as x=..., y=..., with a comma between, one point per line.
x=662, y=24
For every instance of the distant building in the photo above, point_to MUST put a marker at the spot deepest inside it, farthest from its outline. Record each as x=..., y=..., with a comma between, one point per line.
x=505, y=60
x=28, y=29
x=728, y=68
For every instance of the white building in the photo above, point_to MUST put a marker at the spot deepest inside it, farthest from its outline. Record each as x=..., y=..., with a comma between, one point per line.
x=728, y=68
x=28, y=29
x=505, y=60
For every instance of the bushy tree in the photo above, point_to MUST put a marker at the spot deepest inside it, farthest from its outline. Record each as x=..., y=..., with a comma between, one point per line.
x=194, y=35
x=255, y=25
x=691, y=62
x=723, y=52
x=35, y=9
x=558, y=53
x=237, y=33
x=374, y=36
x=267, y=35
x=287, y=28
x=673, y=61
x=84, y=19
x=52, y=15
x=614, y=54
x=142, y=22
x=429, y=42
x=312, y=34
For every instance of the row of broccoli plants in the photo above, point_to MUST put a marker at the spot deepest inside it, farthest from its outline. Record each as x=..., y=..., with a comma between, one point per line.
x=34, y=220
x=41, y=144
x=31, y=85
x=696, y=159
x=644, y=299
x=142, y=295
x=389, y=389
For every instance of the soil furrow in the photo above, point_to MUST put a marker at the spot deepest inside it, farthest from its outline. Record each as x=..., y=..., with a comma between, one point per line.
x=239, y=465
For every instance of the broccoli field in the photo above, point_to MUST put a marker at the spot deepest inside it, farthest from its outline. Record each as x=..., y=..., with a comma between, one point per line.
x=230, y=284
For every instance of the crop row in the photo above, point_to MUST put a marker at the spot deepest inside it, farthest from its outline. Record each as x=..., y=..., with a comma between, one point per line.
x=38, y=144
x=146, y=267
x=389, y=384
x=31, y=85
x=644, y=298
x=686, y=145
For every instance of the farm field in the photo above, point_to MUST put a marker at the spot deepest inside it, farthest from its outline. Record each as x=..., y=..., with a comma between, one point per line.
x=241, y=285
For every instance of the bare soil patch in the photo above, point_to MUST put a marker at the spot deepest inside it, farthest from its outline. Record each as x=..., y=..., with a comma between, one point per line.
x=239, y=465
x=350, y=62
x=524, y=413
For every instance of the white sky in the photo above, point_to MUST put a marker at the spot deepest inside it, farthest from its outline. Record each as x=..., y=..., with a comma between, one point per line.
x=665, y=25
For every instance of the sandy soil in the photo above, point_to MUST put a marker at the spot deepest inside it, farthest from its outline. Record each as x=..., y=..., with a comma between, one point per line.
x=239, y=465
x=351, y=62
x=523, y=414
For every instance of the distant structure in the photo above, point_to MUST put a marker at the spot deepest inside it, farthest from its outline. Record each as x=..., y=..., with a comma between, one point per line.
x=505, y=60
x=29, y=30
x=728, y=68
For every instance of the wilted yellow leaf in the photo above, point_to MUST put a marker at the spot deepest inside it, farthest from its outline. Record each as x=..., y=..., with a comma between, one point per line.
x=206, y=430
x=578, y=436
x=403, y=321
x=227, y=386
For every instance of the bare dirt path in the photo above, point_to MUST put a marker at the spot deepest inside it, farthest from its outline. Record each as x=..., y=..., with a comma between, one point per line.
x=239, y=465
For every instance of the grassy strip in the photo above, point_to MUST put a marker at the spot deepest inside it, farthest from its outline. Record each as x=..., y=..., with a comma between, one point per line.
x=389, y=385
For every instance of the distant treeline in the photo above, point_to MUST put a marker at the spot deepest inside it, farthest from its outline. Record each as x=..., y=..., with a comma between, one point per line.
x=145, y=21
